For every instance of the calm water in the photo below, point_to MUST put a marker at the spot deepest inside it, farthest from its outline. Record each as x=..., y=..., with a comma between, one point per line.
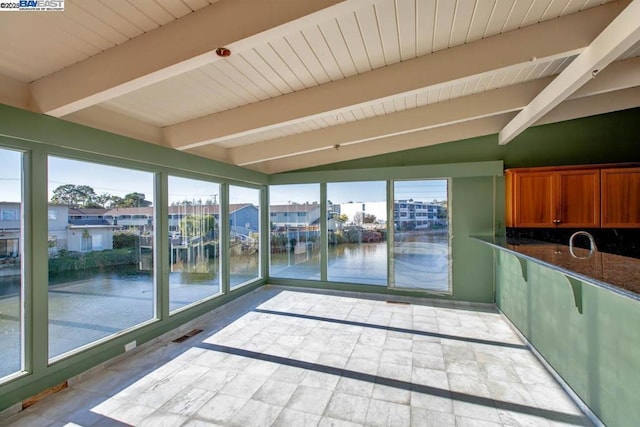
x=10, y=285
x=365, y=263
x=420, y=261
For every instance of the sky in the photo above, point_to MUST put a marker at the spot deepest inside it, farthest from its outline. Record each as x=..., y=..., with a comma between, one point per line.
x=371, y=191
x=121, y=181
x=103, y=179
x=10, y=176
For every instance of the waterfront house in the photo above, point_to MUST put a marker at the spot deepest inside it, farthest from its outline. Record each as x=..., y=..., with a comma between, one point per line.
x=9, y=230
x=294, y=215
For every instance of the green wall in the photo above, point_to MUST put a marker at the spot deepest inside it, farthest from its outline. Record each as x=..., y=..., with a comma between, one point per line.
x=607, y=138
x=472, y=209
x=589, y=335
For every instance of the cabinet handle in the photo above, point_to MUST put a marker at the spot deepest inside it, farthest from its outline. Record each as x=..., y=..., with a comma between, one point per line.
x=556, y=221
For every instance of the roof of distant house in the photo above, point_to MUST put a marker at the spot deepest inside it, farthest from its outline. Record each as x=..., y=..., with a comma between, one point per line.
x=179, y=209
x=89, y=222
x=294, y=207
x=87, y=211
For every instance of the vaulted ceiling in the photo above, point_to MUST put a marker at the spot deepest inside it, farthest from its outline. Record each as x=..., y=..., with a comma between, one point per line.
x=319, y=81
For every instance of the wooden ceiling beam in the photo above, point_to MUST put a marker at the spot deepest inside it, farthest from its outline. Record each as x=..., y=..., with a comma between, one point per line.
x=508, y=99
x=180, y=46
x=571, y=109
x=585, y=106
x=111, y=121
x=14, y=92
x=555, y=38
x=454, y=132
x=619, y=36
x=620, y=75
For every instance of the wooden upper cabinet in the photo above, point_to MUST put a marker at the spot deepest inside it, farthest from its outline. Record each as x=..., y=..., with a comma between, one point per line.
x=546, y=198
x=533, y=199
x=578, y=198
x=621, y=198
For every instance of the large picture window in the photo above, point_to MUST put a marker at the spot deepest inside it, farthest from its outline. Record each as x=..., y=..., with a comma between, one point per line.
x=194, y=218
x=244, y=235
x=421, y=249
x=294, y=212
x=11, y=280
x=101, y=252
x=357, y=230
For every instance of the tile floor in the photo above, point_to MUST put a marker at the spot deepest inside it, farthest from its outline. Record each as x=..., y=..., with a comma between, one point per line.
x=285, y=357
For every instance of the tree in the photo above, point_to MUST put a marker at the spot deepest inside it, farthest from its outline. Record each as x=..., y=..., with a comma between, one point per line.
x=369, y=218
x=103, y=200
x=75, y=196
x=92, y=205
x=197, y=225
x=357, y=218
x=131, y=200
x=116, y=201
x=343, y=217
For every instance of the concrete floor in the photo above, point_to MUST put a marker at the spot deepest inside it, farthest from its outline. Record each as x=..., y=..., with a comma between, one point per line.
x=286, y=357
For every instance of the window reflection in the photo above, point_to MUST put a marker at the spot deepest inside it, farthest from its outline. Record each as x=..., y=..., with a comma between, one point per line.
x=357, y=230
x=244, y=235
x=294, y=221
x=11, y=280
x=194, y=218
x=101, y=251
x=421, y=250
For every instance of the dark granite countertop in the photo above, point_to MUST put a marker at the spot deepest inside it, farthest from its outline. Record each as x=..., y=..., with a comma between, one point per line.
x=617, y=273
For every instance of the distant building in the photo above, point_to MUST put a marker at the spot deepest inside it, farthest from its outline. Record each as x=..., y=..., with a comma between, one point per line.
x=130, y=218
x=58, y=220
x=9, y=230
x=294, y=215
x=85, y=238
x=88, y=230
x=88, y=216
x=413, y=214
x=72, y=229
x=244, y=219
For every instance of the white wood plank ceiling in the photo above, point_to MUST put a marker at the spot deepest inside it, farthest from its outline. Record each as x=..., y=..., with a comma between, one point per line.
x=306, y=76
x=86, y=28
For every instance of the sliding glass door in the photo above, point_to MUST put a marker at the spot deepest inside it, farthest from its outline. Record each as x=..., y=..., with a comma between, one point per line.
x=294, y=222
x=421, y=250
x=194, y=245
x=244, y=235
x=357, y=230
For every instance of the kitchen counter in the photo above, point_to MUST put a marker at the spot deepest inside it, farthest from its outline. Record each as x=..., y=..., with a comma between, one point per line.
x=616, y=273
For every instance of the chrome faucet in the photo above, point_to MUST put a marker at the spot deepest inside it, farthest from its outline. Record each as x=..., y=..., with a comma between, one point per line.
x=592, y=244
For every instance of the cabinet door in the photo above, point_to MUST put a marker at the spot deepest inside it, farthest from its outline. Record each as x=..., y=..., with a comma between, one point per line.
x=577, y=196
x=534, y=199
x=621, y=198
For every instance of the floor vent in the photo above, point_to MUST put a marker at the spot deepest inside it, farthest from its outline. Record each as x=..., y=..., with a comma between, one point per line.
x=187, y=335
x=398, y=302
x=38, y=397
